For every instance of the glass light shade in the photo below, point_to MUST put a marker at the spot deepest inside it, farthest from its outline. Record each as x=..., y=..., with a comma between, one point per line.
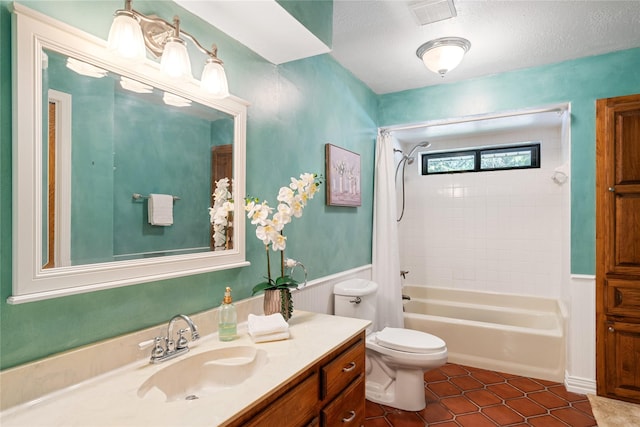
x=175, y=100
x=125, y=37
x=444, y=54
x=85, y=69
x=214, y=79
x=175, y=60
x=442, y=59
x=134, y=85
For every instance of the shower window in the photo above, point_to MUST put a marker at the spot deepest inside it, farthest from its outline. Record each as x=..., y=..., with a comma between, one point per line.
x=482, y=159
x=448, y=162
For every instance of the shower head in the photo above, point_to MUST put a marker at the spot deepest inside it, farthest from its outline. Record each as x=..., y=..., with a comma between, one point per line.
x=423, y=144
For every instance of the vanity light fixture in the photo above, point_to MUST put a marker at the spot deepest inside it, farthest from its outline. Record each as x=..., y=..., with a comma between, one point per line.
x=133, y=33
x=444, y=54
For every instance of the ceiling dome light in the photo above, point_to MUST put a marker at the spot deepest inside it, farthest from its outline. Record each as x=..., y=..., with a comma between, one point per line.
x=444, y=54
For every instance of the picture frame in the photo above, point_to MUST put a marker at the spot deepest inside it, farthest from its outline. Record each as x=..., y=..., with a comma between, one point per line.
x=342, y=169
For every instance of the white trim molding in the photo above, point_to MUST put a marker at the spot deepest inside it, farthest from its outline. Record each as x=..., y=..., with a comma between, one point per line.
x=580, y=385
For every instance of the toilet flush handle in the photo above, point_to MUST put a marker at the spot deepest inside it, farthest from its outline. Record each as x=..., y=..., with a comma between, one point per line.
x=358, y=300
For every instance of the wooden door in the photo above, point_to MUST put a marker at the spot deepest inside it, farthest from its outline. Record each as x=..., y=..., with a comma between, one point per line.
x=618, y=247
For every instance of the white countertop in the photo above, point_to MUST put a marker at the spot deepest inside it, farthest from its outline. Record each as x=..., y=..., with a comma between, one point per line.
x=112, y=399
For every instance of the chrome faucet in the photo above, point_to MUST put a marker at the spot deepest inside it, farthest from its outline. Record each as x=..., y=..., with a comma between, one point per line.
x=174, y=348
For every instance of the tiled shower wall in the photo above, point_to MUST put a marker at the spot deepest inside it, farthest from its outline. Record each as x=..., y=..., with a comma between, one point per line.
x=496, y=231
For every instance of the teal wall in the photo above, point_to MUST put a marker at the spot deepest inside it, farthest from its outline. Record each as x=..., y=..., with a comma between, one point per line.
x=127, y=143
x=295, y=110
x=579, y=82
x=92, y=152
x=315, y=15
x=148, y=139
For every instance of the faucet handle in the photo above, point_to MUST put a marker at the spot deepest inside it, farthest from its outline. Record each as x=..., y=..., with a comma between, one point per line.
x=157, y=351
x=146, y=344
x=182, y=341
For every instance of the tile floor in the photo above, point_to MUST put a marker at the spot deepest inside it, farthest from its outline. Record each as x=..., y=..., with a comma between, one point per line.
x=461, y=396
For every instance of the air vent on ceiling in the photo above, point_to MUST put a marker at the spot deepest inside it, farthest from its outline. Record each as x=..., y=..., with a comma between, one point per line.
x=429, y=11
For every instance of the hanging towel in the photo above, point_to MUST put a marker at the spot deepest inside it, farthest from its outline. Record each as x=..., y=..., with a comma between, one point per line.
x=267, y=328
x=160, y=208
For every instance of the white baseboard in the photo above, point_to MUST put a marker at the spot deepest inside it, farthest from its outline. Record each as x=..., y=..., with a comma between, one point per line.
x=580, y=385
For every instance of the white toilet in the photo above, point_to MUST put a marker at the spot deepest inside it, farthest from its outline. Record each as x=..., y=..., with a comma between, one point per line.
x=397, y=358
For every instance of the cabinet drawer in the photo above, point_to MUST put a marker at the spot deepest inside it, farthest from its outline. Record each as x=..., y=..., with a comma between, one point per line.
x=342, y=370
x=296, y=408
x=348, y=409
x=623, y=297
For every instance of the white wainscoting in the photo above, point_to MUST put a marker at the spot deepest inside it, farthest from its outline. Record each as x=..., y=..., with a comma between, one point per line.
x=317, y=295
x=581, y=339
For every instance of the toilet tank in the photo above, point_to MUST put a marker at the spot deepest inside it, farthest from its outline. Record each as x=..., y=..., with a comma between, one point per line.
x=356, y=298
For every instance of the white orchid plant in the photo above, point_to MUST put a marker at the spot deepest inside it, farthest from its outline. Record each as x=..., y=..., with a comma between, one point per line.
x=219, y=213
x=292, y=201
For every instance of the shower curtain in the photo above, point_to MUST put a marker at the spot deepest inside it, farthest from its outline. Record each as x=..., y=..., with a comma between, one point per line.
x=385, y=256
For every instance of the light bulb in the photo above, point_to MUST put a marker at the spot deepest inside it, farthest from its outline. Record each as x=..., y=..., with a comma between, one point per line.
x=443, y=58
x=175, y=59
x=125, y=37
x=214, y=79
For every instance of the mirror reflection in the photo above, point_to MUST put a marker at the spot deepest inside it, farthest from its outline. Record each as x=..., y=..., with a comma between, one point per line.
x=112, y=148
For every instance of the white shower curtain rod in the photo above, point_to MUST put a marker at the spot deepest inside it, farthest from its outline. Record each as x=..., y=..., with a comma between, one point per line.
x=560, y=108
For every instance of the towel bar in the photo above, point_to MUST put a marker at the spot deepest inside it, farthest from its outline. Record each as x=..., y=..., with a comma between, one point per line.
x=137, y=196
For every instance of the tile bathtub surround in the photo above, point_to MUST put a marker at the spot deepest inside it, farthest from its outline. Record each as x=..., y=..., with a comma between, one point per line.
x=490, y=231
x=462, y=396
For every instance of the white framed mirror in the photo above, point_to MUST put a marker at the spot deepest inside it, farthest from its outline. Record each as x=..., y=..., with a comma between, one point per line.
x=95, y=139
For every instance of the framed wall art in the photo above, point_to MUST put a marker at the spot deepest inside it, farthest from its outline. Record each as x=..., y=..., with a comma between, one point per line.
x=342, y=169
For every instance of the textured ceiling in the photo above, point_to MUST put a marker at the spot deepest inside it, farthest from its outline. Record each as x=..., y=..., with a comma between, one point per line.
x=377, y=40
x=262, y=25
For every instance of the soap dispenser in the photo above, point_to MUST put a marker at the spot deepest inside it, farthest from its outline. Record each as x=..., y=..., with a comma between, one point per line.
x=228, y=320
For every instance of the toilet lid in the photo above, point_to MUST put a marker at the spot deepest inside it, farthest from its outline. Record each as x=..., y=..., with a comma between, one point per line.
x=409, y=340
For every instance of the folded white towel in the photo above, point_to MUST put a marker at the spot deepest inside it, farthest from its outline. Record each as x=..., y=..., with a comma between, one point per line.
x=271, y=337
x=265, y=325
x=160, y=209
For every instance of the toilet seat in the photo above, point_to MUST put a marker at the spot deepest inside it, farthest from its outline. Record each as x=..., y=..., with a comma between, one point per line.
x=409, y=340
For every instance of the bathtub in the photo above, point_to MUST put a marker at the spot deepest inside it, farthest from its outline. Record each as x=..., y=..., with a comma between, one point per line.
x=514, y=334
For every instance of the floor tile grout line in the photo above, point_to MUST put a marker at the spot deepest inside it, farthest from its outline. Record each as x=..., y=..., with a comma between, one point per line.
x=570, y=401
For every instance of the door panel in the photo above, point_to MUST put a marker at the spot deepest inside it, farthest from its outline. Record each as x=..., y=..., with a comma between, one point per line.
x=623, y=356
x=627, y=153
x=627, y=233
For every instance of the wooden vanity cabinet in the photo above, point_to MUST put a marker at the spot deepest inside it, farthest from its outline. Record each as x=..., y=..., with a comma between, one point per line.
x=331, y=393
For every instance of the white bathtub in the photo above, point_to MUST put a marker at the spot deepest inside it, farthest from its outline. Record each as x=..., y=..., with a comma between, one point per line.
x=515, y=334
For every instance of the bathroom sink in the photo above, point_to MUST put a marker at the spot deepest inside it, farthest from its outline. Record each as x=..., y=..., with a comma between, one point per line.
x=203, y=374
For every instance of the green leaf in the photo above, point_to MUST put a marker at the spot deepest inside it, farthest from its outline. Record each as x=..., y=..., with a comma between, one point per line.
x=286, y=282
x=262, y=286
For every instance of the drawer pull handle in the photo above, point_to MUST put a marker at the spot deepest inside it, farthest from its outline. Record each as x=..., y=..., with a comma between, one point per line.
x=350, y=367
x=350, y=418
